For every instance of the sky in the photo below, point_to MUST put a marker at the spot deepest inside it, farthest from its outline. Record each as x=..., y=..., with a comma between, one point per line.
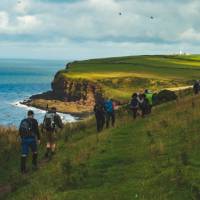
x=82, y=29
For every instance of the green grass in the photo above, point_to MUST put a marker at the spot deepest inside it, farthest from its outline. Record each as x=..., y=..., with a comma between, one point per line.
x=167, y=66
x=134, y=73
x=155, y=158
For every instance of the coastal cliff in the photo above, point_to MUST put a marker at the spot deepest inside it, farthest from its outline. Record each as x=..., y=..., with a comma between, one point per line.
x=73, y=96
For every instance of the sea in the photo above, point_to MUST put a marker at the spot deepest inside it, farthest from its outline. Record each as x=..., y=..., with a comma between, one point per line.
x=21, y=78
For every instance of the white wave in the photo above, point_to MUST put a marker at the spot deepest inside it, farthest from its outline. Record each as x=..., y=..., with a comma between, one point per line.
x=64, y=117
x=19, y=105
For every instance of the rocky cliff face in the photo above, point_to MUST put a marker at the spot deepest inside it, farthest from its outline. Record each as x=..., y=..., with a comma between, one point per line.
x=72, y=90
x=75, y=96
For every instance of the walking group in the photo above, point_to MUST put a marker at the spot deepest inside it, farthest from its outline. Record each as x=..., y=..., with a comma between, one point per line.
x=30, y=136
x=104, y=110
x=141, y=103
x=105, y=113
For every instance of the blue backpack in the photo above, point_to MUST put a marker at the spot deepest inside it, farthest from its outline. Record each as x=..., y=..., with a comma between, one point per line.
x=109, y=106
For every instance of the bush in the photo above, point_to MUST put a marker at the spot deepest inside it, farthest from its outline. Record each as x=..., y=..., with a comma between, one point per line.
x=164, y=96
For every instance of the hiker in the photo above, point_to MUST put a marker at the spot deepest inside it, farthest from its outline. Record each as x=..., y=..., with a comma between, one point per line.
x=52, y=122
x=30, y=136
x=134, y=105
x=143, y=104
x=99, y=111
x=110, y=112
x=196, y=87
x=149, y=97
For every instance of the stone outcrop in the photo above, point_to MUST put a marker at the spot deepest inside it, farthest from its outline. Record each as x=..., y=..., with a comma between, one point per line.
x=73, y=90
x=75, y=96
x=164, y=96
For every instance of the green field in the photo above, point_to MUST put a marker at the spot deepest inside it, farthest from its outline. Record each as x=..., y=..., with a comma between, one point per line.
x=156, y=158
x=120, y=77
x=186, y=67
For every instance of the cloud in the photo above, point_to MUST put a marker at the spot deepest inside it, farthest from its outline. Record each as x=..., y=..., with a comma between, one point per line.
x=97, y=24
x=190, y=35
x=4, y=20
x=22, y=6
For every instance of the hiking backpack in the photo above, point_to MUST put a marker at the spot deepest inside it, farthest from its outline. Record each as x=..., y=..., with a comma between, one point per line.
x=49, y=122
x=134, y=103
x=26, y=128
x=109, y=106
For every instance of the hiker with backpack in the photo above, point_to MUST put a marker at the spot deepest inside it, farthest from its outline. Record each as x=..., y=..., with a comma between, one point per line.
x=51, y=123
x=99, y=111
x=134, y=105
x=30, y=136
x=110, y=112
x=143, y=104
x=196, y=87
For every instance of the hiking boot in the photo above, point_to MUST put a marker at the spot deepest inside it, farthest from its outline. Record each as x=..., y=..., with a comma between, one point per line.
x=46, y=155
x=23, y=165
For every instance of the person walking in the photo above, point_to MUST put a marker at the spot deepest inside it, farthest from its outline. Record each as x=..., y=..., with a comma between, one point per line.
x=30, y=137
x=196, y=87
x=99, y=111
x=52, y=122
x=149, y=97
x=134, y=105
x=143, y=104
x=110, y=112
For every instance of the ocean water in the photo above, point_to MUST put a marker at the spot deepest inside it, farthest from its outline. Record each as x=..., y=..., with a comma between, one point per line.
x=19, y=79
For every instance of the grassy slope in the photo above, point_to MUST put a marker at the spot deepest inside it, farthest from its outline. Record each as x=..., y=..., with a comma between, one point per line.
x=155, y=158
x=121, y=76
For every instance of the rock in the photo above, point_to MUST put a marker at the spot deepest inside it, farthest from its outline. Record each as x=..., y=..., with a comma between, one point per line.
x=164, y=96
x=49, y=95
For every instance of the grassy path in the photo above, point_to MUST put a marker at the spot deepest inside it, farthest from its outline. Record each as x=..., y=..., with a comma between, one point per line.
x=156, y=158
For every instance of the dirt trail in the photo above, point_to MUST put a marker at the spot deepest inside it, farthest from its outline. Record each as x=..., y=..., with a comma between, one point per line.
x=180, y=88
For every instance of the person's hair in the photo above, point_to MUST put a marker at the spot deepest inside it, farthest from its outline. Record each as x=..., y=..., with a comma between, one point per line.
x=30, y=113
x=134, y=95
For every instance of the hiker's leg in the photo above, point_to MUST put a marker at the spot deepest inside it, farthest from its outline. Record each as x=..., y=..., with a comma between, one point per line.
x=34, y=160
x=134, y=113
x=48, y=149
x=143, y=112
x=107, y=120
x=25, y=151
x=33, y=146
x=52, y=144
x=103, y=120
x=98, y=122
x=113, y=118
x=23, y=163
x=150, y=108
x=53, y=148
x=48, y=146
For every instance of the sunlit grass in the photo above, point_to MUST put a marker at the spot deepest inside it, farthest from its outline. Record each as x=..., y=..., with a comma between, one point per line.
x=152, y=158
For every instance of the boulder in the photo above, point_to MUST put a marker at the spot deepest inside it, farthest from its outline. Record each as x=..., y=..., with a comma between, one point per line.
x=164, y=96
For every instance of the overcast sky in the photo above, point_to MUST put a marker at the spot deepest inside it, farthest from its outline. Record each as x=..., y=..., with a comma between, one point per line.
x=78, y=29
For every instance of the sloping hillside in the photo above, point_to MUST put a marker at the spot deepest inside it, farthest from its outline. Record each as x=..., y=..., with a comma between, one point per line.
x=152, y=158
